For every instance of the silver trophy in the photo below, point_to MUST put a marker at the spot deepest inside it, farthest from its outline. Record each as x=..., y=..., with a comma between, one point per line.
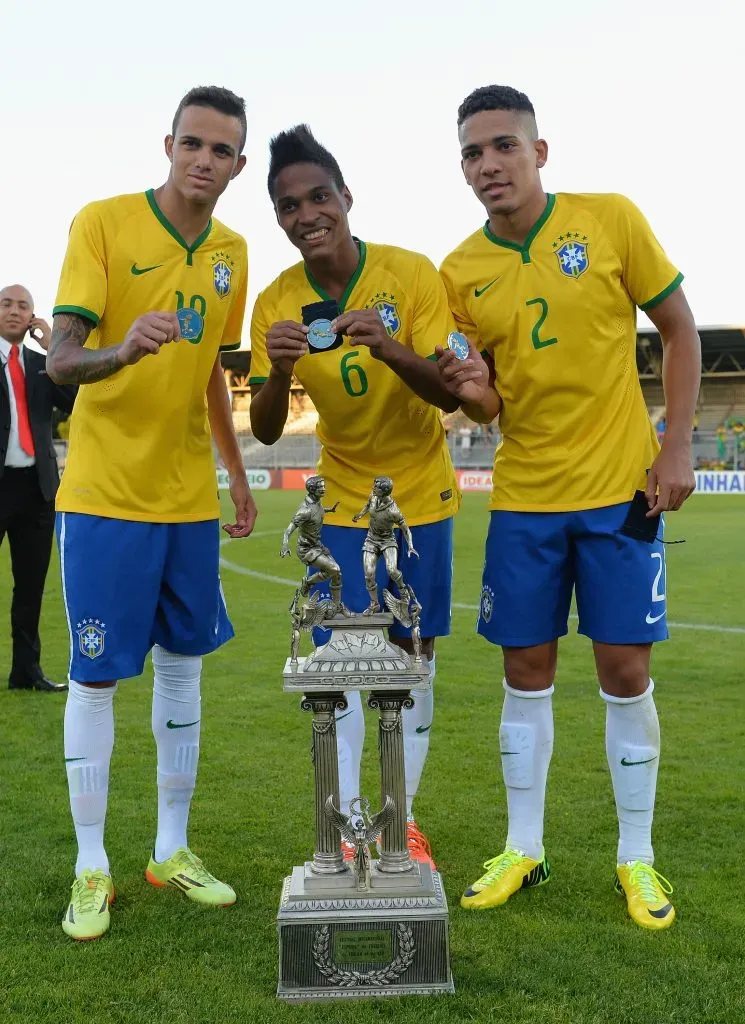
x=372, y=926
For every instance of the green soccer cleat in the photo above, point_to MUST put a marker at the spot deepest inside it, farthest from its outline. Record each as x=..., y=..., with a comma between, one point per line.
x=185, y=871
x=504, y=876
x=87, y=915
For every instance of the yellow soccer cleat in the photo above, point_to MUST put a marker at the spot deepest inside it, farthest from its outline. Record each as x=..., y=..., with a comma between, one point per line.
x=87, y=915
x=185, y=871
x=505, y=874
x=646, y=894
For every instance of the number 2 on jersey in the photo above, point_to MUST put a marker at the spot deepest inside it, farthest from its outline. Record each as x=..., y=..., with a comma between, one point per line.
x=535, y=334
x=353, y=376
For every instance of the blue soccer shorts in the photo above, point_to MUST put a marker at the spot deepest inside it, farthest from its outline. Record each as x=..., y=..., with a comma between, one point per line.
x=128, y=586
x=534, y=560
x=430, y=575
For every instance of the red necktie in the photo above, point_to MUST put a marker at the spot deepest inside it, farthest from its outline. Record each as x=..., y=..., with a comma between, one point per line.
x=18, y=381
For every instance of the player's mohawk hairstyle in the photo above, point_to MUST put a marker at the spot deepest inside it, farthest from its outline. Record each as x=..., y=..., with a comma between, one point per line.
x=494, y=97
x=299, y=145
x=216, y=98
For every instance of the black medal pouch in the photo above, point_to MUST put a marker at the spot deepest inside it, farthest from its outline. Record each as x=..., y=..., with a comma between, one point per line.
x=636, y=524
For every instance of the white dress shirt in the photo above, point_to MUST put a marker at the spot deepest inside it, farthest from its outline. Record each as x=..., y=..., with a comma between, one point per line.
x=15, y=455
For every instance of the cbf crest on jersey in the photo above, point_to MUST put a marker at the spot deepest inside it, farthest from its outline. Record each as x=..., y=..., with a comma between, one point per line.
x=222, y=273
x=388, y=309
x=571, y=251
x=91, y=637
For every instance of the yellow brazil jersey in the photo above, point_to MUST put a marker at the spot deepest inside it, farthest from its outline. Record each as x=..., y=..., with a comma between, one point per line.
x=140, y=445
x=558, y=317
x=369, y=422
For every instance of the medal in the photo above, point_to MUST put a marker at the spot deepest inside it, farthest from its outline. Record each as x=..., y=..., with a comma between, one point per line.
x=320, y=335
x=190, y=323
x=457, y=343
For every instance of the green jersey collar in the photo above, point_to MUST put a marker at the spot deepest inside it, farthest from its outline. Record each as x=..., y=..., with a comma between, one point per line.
x=160, y=216
x=352, y=281
x=524, y=249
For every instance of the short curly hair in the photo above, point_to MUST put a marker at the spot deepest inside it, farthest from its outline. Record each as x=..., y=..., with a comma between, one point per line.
x=494, y=97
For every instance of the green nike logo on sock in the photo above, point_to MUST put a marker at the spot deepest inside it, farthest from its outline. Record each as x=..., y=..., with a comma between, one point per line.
x=180, y=725
x=505, y=753
x=423, y=728
x=345, y=715
x=628, y=764
x=68, y=759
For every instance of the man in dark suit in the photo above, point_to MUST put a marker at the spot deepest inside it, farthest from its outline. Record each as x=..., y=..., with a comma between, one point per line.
x=28, y=476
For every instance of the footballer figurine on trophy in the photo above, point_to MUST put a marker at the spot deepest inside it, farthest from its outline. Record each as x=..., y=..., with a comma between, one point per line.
x=308, y=521
x=385, y=516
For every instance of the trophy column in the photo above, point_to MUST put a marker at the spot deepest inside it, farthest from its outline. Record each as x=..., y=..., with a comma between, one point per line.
x=394, y=848
x=327, y=858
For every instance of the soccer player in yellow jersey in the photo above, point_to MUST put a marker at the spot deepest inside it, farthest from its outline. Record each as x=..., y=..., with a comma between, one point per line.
x=151, y=290
x=375, y=388
x=548, y=290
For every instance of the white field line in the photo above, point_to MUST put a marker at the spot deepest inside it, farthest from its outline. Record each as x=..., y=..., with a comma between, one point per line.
x=702, y=627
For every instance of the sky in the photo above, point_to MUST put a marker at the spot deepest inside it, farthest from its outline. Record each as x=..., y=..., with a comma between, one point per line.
x=643, y=97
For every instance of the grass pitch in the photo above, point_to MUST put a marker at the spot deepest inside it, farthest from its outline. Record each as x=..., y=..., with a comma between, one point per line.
x=563, y=953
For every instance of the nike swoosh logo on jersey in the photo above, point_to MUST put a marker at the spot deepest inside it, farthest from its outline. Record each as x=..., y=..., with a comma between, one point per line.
x=144, y=270
x=654, y=618
x=423, y=728
x=180, y=725
x=628, y=764
x=480, y=291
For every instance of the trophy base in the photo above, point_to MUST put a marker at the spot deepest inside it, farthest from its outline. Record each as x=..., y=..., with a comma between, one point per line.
x=347, y=944
x=306, y=883
x=359, y=656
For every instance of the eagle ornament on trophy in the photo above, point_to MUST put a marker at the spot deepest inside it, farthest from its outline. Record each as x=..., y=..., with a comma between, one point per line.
x=361, y=830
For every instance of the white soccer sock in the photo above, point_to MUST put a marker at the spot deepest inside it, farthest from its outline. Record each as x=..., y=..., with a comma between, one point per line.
x=526, y=741
x=632, y=743
x=350, y=739
x=175, y=719
x=417, y=722
x=89, y=740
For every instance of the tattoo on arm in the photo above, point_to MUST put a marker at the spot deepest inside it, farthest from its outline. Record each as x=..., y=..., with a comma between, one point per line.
x=68, y=362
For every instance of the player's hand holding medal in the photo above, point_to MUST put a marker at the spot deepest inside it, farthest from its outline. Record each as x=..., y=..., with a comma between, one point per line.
x=286, y=342
x=148, y=333
x=463, y=370
x=367, y=328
